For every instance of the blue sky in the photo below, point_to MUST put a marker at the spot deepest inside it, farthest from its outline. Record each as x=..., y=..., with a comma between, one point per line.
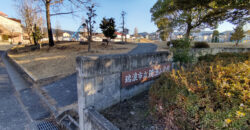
x=138, y=15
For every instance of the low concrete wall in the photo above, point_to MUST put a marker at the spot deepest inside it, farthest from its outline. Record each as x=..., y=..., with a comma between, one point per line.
x=213, y=51
x=99, y=79
x=95, y=121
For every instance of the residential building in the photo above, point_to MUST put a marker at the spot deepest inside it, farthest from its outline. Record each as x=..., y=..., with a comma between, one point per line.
x=10, y=29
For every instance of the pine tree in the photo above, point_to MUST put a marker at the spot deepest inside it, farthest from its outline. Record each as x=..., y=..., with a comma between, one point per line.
x=108, y=28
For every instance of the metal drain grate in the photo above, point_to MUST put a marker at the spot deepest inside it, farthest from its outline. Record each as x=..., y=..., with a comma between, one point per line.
x=46, y=125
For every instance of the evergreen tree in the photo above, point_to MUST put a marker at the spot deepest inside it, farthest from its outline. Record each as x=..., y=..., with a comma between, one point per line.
x=238, y=34
x=37, y=34
x=215, y=37
x=108, y=28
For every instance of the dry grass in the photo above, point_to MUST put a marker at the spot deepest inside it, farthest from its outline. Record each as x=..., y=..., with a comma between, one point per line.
x=59, y=60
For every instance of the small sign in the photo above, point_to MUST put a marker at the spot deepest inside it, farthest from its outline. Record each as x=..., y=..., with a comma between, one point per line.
x=142, y=75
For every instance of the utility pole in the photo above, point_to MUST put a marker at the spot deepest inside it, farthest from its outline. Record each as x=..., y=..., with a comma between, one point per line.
x=123, y=25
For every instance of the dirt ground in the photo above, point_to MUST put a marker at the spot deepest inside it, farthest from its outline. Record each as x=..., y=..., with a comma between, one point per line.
x=59, y=61
x=132, y=114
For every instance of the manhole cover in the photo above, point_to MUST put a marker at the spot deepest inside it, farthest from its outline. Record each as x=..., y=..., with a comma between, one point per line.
x=46, y=125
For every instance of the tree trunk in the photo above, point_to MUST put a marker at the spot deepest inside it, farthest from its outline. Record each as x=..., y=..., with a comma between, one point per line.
x=188, y=31
x=90, y=36
x=50, y=34
x=34, y=35
x=237, y=42
x=189, y=25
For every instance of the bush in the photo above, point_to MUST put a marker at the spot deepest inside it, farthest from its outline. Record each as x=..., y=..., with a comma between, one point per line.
x=180, y=43
x=182, y=55
x=201, y=45
x=210, y=95
x=181, y=48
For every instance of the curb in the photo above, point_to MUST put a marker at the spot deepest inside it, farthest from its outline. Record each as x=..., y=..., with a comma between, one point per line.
x=20, y=69
x=54, y=111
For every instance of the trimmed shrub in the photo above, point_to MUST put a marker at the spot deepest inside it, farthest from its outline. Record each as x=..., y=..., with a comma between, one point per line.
x=209, y=95
x=201, y=45
x=180, y=43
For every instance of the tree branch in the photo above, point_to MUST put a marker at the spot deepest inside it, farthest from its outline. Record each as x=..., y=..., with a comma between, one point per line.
x=62, y=13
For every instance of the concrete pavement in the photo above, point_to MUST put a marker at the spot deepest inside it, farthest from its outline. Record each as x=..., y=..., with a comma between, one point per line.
x=12, y=114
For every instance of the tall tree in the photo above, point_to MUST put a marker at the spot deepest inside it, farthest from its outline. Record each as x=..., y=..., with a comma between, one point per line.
x=164, y=27
x=108, y=28
x=135, y=32
x=90, y=21
x=193, y=14
x=238, y=34
x=73, y=6
x=215, y=36
x=123, y=14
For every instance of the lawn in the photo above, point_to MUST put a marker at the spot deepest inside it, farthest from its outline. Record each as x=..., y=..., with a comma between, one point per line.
x=59, y=61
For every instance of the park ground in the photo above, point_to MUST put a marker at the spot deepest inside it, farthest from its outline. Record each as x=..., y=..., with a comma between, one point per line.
x=59, y=61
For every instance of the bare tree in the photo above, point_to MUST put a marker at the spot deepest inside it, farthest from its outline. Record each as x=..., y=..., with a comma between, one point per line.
x=58, y=31
x=90, y=23
x=71, y=5
x=123, y=24
x=30, y=15
x=135, y=32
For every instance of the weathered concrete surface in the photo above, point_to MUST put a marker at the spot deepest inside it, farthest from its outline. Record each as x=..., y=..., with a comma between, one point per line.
x=99, y=78
x=31, y=101
x=12, y=115
x=61, y=95
x=214, y=51
x=63, y=92
x=34, y=105
x=144, y=48
x=95, y=121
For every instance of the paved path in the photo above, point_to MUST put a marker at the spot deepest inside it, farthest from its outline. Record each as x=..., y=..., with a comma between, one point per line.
x=12, y=114
x=143, y=48
x=64, y=91
x=20, y=106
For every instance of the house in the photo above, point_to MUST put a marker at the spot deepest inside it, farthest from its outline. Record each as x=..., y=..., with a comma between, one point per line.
x=10, y=29
x=225, y=36
x=119, y=36
x=154, y=36
x=246, y=39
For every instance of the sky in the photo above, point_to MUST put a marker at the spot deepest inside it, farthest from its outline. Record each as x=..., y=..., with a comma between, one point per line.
x=138, y=15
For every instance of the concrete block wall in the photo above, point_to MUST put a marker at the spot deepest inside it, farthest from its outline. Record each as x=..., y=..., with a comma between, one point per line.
x=99, y=78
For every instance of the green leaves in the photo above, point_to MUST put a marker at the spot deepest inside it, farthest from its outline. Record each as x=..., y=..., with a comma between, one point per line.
x=191, y=14
x=108, y=27
x=238, y=34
